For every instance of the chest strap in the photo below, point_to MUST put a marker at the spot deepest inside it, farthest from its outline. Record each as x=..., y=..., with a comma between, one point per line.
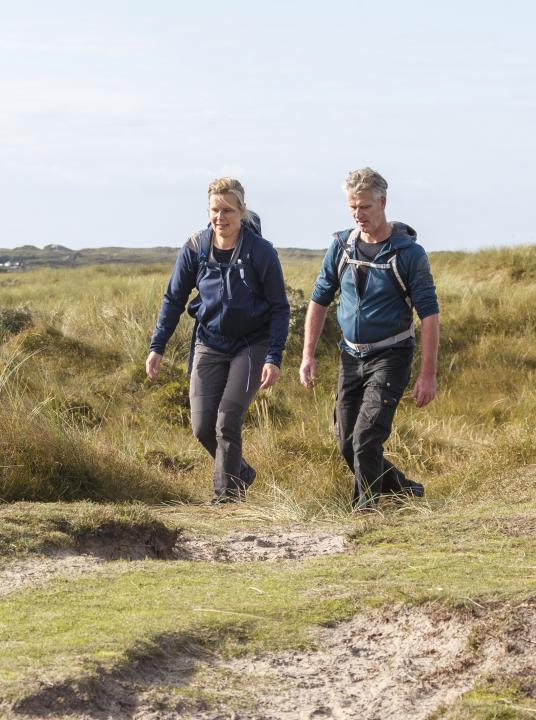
x=390, y=265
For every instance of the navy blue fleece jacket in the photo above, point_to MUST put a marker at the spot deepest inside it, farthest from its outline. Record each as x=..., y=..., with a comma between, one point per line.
x=257, y=285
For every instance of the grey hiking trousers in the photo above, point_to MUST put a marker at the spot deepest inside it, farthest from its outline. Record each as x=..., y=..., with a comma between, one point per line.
x=221, y=388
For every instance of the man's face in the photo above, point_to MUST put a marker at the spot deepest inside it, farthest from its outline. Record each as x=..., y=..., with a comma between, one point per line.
x=367, y=211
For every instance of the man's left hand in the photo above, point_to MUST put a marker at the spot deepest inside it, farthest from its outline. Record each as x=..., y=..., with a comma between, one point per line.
x=270, y=374
x=425, y=390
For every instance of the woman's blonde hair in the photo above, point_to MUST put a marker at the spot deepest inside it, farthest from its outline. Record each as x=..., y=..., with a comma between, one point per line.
x=224, y=185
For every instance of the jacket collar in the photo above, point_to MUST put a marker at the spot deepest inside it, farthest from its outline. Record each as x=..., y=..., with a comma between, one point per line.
x=402, y=236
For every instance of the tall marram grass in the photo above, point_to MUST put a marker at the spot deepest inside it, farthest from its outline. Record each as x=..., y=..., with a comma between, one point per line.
x=46, y=456
x=79, y=419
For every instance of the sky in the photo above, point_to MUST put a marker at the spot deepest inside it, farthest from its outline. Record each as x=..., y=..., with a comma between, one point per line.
x=115, y=115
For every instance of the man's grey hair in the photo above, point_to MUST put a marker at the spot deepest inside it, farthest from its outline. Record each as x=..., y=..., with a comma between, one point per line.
x=365, y=179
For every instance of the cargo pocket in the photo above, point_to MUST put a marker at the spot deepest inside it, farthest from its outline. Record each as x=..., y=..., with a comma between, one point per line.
x=379, y=406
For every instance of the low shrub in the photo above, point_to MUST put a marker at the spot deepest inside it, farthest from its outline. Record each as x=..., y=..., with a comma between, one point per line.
x=14, y=320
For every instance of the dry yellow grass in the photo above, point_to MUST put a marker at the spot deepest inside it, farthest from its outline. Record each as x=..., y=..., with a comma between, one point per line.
x=76, y=377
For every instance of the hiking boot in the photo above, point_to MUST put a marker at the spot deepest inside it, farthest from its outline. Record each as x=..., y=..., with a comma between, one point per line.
x=247, y=476
x=409, y=487
x=225, y=499
x=236, y=487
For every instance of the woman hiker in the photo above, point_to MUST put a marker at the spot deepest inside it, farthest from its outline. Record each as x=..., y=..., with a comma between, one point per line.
x=242, y=317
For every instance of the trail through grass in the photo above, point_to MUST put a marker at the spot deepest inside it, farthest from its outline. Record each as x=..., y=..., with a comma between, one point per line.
x=79, y=421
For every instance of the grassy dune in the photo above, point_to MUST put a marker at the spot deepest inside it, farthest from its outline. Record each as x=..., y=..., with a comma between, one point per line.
x=72, y=383
x=83, y=430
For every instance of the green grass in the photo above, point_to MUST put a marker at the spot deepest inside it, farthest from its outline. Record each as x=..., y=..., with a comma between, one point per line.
x=472, y=558
x=492, y=702
x=95, y=623
x=29, y=529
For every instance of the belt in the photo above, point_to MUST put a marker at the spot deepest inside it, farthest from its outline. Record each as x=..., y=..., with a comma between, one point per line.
x=393, y=340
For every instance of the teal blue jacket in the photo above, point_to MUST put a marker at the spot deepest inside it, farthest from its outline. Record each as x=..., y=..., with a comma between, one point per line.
x=381, y=311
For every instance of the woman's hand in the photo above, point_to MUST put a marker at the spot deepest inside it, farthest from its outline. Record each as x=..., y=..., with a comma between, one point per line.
x=270, y=374
x=152, y=365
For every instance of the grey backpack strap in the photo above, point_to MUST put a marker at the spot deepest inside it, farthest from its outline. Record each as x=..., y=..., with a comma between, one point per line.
x=346, y=252
x=398, y=282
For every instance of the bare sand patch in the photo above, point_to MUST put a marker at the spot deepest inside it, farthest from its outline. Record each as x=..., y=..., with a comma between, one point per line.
x=397, y=663
x=113, y=544
x=34, y=572
x=400, y=663
x=275, y=545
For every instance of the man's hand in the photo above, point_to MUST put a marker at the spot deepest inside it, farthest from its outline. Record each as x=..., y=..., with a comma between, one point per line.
x=270, y=375
x=425, y=390
x=425, y=387
x=314, y=322
x=152, y=365
x=308, y=372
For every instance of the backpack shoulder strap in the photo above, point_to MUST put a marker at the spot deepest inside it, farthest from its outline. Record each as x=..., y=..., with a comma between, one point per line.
x=245, y=263
x=203, y=254
x=396, y=277
x=346, y=251
x=204, y=246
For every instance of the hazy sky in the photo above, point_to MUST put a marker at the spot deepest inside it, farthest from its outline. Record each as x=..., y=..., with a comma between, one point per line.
x=115, y=115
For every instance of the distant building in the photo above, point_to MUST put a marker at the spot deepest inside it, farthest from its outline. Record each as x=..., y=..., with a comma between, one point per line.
x=11, y=266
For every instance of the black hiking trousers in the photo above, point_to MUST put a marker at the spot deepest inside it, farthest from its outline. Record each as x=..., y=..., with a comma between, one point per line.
x=368, y=394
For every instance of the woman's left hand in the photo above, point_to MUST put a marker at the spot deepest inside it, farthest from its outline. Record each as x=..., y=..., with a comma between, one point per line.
x=270, y=374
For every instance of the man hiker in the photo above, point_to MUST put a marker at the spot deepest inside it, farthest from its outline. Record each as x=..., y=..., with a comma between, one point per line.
x=382, y=274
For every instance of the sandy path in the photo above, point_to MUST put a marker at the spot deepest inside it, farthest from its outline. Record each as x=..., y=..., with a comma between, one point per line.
x=381, y=665
x=35, y=572
x=393, y=664
x=273, y=546
x=396, y=663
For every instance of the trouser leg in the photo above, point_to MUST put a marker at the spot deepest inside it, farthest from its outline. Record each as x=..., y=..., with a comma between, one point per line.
x=231, y=471
x=391, y=477
x=368, y=439
x=348, y=403
x=210, y=370
x=386, y=376
x=368, y=395
x=221, y=389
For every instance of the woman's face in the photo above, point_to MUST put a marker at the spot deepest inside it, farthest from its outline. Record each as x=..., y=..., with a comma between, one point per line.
x=225, y=215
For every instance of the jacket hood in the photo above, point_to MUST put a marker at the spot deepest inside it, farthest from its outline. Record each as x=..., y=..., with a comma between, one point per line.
x=402, y=236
